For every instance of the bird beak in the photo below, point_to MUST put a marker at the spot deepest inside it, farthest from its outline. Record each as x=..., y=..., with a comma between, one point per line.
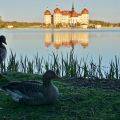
x=57, y=77
x=5, y=43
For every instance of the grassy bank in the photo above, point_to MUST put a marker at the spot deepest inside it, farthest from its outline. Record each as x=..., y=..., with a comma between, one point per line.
x=75, y=103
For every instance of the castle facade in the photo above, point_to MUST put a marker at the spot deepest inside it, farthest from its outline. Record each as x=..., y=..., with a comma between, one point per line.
x=66, y=17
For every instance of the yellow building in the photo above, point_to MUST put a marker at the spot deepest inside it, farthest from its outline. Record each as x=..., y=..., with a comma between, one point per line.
x=66, y=17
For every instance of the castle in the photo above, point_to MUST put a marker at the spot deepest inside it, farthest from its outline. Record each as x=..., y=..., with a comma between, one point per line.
x=66, y=17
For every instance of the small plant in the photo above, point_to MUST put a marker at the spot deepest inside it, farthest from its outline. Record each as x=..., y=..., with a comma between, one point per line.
x=13, y=64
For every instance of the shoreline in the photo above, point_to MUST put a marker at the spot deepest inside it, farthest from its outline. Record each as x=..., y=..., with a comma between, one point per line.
x=62, y=29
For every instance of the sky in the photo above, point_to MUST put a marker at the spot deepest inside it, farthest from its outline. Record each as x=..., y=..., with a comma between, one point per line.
x=33, y=10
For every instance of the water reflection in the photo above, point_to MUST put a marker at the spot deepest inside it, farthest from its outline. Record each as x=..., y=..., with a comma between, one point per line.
x=66, y=39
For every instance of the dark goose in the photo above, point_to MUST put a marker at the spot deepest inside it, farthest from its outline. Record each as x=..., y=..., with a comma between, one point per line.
x=34, y=92
x=3, y=50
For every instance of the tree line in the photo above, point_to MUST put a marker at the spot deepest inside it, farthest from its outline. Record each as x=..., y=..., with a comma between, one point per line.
x=19, y=24
x=15, y=24
x=103, y=23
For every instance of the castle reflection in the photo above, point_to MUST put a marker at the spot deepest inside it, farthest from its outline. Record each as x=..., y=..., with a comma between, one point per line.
x=66, y=39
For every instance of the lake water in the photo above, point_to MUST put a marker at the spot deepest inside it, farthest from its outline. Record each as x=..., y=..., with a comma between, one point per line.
x=86, y=43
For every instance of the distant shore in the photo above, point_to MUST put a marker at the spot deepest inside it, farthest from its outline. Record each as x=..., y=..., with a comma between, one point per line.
x=26, y=28
x=93, y=24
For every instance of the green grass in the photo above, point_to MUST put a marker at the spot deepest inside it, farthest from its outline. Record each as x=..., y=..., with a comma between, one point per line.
x=75, y=103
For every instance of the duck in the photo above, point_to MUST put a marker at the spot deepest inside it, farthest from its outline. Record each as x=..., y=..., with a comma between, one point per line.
x=3, y=51
x=34, y=92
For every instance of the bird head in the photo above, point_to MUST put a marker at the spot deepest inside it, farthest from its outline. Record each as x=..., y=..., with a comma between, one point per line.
x=48, y=76
x=3, y=39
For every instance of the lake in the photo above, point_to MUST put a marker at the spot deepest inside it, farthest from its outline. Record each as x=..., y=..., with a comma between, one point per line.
x=86, y=43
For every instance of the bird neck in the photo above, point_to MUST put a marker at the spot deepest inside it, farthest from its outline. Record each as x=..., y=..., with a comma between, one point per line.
x=1, y=45
x=46, y=81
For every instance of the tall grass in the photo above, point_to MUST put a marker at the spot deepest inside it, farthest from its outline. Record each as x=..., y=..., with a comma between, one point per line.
x=69, y=66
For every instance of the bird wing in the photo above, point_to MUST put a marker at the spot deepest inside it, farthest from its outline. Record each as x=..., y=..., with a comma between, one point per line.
x=33, y=81
x=32, y=101
x=26, y=89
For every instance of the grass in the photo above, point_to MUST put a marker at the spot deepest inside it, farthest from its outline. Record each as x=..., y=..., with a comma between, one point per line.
x=69, y=66
x=75, y=103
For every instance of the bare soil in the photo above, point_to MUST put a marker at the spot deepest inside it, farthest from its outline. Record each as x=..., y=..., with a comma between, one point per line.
x=94, y=83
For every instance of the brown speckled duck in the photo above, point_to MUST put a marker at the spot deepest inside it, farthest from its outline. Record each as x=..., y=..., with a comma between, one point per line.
x=33, y=92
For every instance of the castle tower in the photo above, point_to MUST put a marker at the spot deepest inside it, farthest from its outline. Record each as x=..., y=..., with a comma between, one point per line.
x=73, y=9
x=85, y=16
x=57, y=16
x=47, y=17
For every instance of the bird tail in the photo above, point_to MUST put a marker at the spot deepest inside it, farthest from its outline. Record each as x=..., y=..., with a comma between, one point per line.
x=3, y=88
x=9, y=86
x=0, y=89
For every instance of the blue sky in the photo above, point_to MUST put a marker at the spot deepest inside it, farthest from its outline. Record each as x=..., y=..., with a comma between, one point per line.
x=32, y=10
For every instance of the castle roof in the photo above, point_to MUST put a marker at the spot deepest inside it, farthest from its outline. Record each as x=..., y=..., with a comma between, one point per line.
x=56, y=10
x=79, y=14
x=65, y=12
x=74, y=14
x=85, y=11
x=47, y=12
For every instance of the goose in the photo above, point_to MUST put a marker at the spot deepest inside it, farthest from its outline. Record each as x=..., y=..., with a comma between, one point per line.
x=3, y=51
x=34, y=92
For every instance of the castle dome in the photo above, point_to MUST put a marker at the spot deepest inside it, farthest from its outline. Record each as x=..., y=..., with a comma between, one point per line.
x=56, y=10
x=47, y=12
x=85, y=11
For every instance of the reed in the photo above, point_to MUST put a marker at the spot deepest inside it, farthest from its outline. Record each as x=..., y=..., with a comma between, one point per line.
x=69, y=66
x=38, y=64
x=13, y=64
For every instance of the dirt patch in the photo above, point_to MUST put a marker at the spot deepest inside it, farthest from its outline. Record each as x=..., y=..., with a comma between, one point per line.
x=94, y=83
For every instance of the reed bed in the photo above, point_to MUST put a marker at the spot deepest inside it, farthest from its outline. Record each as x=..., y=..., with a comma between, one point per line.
x=69, y=66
